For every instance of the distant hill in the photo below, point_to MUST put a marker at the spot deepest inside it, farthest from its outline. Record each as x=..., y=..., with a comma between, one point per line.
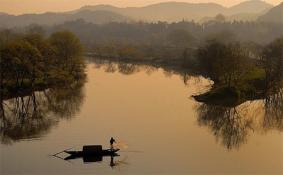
x=169, y=11
x=97, y=8
x=273, y=15
x=97, y=17
x=249, y=7
x=176, y=11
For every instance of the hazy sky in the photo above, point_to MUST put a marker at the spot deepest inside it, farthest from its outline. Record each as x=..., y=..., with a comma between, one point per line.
x=39, y=6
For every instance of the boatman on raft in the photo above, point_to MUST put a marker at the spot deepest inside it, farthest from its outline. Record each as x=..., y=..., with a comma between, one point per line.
x=111, y=143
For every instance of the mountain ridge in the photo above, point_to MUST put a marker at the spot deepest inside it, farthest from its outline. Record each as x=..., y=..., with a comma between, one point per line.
x=166, y=11
x=182, y=10
x=249, y=6
x=50, y=18
x=274, y=15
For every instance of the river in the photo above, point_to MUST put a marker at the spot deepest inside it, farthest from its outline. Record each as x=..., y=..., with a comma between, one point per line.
x=158, y=126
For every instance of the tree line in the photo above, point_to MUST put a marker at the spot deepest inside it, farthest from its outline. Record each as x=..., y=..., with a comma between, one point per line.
x=240, y=72
x=161, y=40
x=245, y=56
x=31, y=60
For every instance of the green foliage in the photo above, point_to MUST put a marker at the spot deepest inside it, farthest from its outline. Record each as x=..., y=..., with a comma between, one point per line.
x=256, y=73
x=272, y=62
x=238, y=74
x=67, y=52
x=19, y=60
x=66, y=46
x=224, y=63
x=30, y=60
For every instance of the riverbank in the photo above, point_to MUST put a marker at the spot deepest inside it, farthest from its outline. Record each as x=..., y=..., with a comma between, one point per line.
x=11, y=91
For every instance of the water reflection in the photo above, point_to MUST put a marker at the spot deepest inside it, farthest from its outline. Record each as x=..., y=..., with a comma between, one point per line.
x=227, y=124
x=232, y=125
x=122, y=67
x=273, y=118
x=33, y=116
x=128, y=68
x=91, y=159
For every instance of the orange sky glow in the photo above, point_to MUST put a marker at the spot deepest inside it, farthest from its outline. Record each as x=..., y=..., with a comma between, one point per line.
x=41, y=6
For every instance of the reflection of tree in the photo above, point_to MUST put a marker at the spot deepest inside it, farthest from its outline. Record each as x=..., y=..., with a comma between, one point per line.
x=186, y=77
x=168, y=73
x=149, y=69
x=128, y=69
x=123, y=67
x=65, y=103
x=227, y=124
x=33, y=116
x=231, y=125
x=111, y=67
x=273, y=118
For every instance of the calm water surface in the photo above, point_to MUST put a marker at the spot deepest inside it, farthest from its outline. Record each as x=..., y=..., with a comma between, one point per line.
x=161, y=129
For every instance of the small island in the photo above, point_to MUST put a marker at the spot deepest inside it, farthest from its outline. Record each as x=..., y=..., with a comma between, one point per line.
x=238, y=74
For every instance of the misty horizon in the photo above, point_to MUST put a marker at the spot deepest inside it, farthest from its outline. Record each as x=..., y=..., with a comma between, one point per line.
x=33, y=7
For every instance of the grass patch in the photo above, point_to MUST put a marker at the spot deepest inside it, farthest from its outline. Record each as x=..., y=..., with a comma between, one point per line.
x=255, y=74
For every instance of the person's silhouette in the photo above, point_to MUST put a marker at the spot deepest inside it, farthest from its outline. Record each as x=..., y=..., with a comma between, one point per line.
x=112, y=140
